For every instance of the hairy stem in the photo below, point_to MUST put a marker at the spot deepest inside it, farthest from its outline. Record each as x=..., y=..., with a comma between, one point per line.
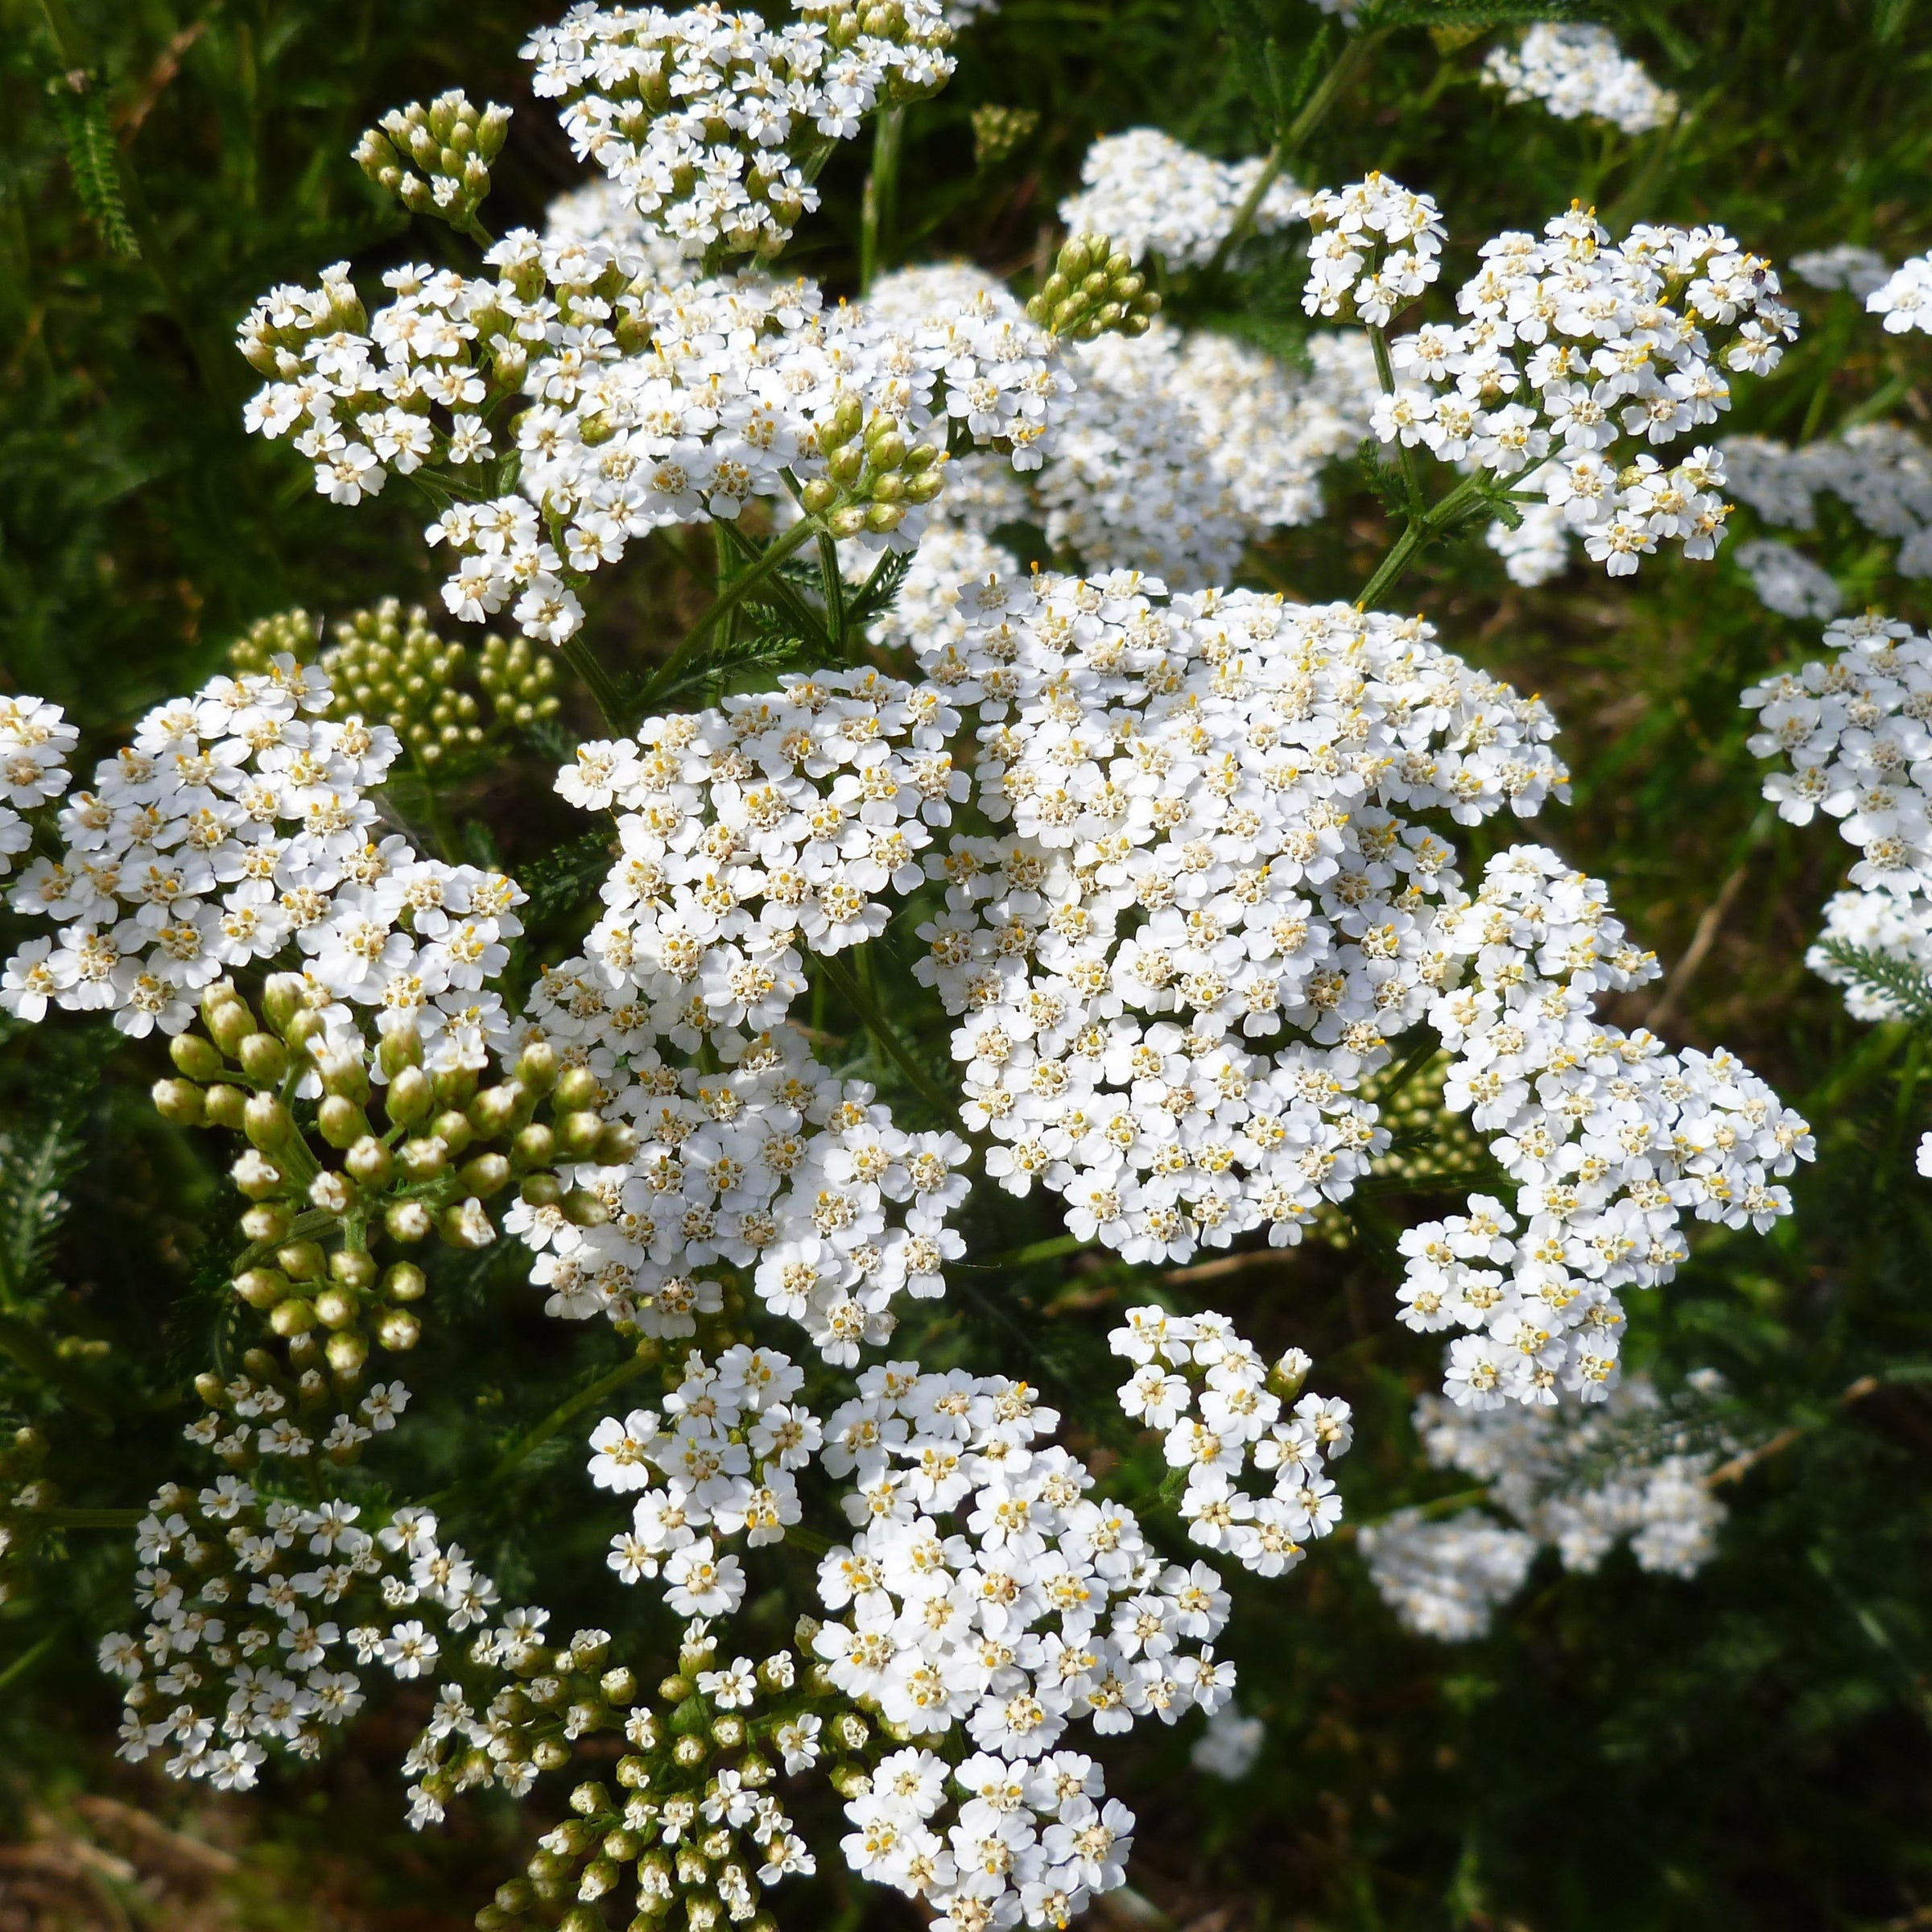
x=577, y=654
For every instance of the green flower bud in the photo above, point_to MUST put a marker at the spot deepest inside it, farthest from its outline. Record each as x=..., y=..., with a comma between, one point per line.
x=266, y=1122
x=883, y=518
x=227, y=1017
x=590, y=1799
x=400, y=1047
x=263, y=1058
x=487, y=1174
x=847, y=522
x=407, y=1221
x=583, y=1209
x=542, y=1189
x=534, y=1146
x=453, y=1129
x=464, y=1225
x=620, y=1686
x=224, y=1106
x=577, y=1087
x=341, y=1122
x=302, y=1260
x=492, y=1111
x=180, y=1102
x=333, y=1193
x=267, y=1221
x=262, y=1288
x=194, y=1058
x=423, y=1157
x=369, y=1163
x=292, y=1317
x=819, y=494
x=536, y=1067
x=578, y=1134
x=353, y=1268
x=405, y=1281
x=336, y=1307
x=409, y=1098
x=998, y=131
x=398, y=1330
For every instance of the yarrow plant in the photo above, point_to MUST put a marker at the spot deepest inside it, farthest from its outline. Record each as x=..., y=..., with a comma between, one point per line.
x=913, y=893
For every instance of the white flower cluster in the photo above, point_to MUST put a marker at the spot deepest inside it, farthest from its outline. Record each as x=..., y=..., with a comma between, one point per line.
x=1844, y=265
x=1611, y=1139
x=1210, y=842
x=1183, y=449
x=1444, y=1577
x=1905, y=299
x=935, y=602
x=1881, y=471
x=710, y=121
x=1582, y=1478
x=35, y=740
x=1151, y=195
x=1854, y=729
x=1579, y=1479
x=235, y=827
x=777, y=823
x=651, y=405
x=1196, y=1380
x=988, y=1591
x=257, y=1609
x=1580, y=73
x=362, y=398
x=728, y=1461
x=1577, y=354
x=1374, y=250
x=1787, y=581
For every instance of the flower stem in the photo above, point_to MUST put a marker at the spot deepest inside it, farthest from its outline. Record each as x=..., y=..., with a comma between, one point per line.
x=525, y=1445
x=881, y=193
x=862, y=1003
x=1289, y=142
x=728, y=599
x=578, y=654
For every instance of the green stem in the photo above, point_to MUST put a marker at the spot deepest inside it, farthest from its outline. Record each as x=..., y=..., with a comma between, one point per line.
x=525, y=1445
x=1314, y=111
x=1420, y=530
x=861, y=1002
x=1405, y=453
x=835, y=594
x=578, y=654
x=27, y=1658
x=728, y=599
x=881, y=193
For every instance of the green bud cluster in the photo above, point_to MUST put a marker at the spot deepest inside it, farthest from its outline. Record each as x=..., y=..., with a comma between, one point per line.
x=1427, y=1140
x=681, y=1743
x=387, y=666
x=26, y=1495
x=1093, y=290
x=292, y=633
x=848, y=21
x=414, y=1154
x=435, y=159
x=997, y=131
x=872, y=475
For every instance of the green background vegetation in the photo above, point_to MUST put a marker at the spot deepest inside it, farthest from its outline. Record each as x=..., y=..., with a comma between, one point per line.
x=1751, y=1748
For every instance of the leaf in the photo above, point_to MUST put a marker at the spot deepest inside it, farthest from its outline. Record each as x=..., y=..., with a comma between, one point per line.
x=566, y=872
x=1384, y=478
x=1904, y=985
x=93, y=162
x=880, y=590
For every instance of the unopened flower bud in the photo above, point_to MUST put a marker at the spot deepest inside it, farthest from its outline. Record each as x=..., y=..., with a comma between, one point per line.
x=423, y=1157
x=195, y=1057
x=453, y=1129
x=263, y=1057
x=336, y=1307
x=464, y=1224
x=534, y=1146
x=616, y=1144
x=407, y=1221
x=818, y=495
x=578, y=1134
x=180, y=1102
x=537, y=1066
x=302, y=1260
x=255, y=1176
x=333, y=1193
x=882, y=517
x=542, y=1189
x=404, y=1282
x=847, y=522
x=398, y=1330
x=340, y=1122
x=487, y=1174
x=223, y=1105
x=400, y=1047
x=491, y=1112
x=409, y=1098
x=294, y=1316
x=283, y=994
x=370, y=1162
x=266, y=1121
x=262, y=1288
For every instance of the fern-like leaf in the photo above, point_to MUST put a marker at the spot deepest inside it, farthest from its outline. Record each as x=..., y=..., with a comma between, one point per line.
x=1898, y=981
x=95, y=165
